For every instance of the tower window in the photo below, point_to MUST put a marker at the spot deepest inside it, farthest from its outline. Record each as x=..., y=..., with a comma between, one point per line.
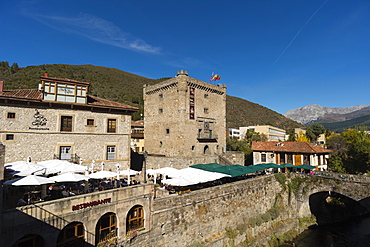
x=9, y=137
x=11, y=115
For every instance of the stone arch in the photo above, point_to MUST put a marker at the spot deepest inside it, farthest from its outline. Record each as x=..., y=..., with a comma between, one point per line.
x=206, y=150
x=106, y=229
x=72, y=234
x=31, y=240
x=331, y=207
x=135, y=218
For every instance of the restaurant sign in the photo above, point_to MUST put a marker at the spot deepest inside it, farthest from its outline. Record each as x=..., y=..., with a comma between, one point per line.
x=39, y=122
x=91, y=204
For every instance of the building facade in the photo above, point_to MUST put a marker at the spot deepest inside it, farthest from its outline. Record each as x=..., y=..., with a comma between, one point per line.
x=272, y=133
x=60, y=120
x=185, y=117
x=137, y=136
x=295, y=153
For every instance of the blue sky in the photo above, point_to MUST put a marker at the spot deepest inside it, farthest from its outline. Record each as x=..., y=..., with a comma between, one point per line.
x=280, y=54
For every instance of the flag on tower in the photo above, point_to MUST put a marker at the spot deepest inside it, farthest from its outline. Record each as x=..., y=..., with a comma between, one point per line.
x=215, y=77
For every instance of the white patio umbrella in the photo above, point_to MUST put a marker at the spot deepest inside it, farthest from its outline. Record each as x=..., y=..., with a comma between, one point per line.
x=30, y=180
x=61, y=166
x=69, y=177
x=167, y=171
x=126, y=172
x=102, y=174
x=24, y=168
x=178, y=182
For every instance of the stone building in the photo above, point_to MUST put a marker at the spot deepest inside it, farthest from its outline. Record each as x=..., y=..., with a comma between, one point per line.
x=60, y=120
x=185, y=117
x=295, y=153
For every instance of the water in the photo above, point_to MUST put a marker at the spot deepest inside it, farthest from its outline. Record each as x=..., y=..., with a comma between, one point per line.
x=352, y=233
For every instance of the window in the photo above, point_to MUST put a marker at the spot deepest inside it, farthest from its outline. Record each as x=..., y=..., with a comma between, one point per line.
x=72, y=235
x=66, y=123
x=160, y=110
x=167, y=131
x=106, y=228
x=160, y=96
x=90, y=122
x=160, y=144
x=205, y=110
x=65, y=153
x=11, y=115
x=205, y=96
x=111, y=152
x=9, y=137
x=112, y=126
x=135, y=218
x=263, y=157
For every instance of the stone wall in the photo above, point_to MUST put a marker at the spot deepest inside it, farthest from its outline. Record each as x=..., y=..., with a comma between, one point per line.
x=261, y=211
x=224, y=215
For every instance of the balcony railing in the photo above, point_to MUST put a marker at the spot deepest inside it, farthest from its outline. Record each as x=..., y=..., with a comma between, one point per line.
x=74, y=158
x=137, y=135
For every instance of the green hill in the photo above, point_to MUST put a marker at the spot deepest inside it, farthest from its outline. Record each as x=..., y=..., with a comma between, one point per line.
x=124, y=87
x=348, y=124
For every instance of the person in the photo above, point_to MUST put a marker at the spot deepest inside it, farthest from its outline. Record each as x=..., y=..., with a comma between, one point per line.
x=21, y=202
x=65, y=193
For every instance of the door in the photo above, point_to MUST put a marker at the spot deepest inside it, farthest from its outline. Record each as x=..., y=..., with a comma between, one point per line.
x=65, y=153
x=297, y=159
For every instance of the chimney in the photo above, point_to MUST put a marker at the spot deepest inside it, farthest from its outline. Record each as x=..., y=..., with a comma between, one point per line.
x=46, y=74
x=1, y=86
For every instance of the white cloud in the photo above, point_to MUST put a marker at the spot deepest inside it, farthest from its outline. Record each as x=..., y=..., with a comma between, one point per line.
x=97, y=29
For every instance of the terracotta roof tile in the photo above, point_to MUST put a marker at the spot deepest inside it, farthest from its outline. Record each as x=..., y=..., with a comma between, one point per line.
x=288, y=147
x=93, y=100
x=33, y=94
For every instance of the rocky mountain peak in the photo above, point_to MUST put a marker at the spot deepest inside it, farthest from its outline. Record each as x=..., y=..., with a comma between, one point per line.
x=311, y=113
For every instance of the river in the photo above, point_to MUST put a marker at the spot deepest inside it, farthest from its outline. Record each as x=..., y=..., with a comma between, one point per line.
x=351, y=233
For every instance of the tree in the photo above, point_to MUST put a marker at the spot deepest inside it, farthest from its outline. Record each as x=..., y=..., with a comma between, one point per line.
x=252, y=135
x=301, y=137
x=234, y=144
x=314, y=131
x=292, y=136
x=351, y=151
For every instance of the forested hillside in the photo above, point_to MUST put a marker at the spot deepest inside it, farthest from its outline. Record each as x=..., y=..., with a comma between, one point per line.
x=124, y=87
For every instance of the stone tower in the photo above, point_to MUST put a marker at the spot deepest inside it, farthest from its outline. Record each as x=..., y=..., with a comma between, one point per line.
x=184, y=117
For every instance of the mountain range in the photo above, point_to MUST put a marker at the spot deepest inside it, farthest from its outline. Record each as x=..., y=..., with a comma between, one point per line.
x=336, y=119
x=117, y=85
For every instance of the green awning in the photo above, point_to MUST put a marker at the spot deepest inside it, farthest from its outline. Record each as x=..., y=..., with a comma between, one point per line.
x=307, y=167
x=233, y=171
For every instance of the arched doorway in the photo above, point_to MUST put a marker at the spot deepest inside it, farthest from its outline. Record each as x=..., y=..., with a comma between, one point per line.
x=206, y=150
x=30, y=240
x=72, y=234
x=135, y=218
x=106, y=229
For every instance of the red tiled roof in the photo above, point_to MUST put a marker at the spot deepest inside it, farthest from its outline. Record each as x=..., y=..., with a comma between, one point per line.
x=93, y=100
x=33, y=94
x=288, y=147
